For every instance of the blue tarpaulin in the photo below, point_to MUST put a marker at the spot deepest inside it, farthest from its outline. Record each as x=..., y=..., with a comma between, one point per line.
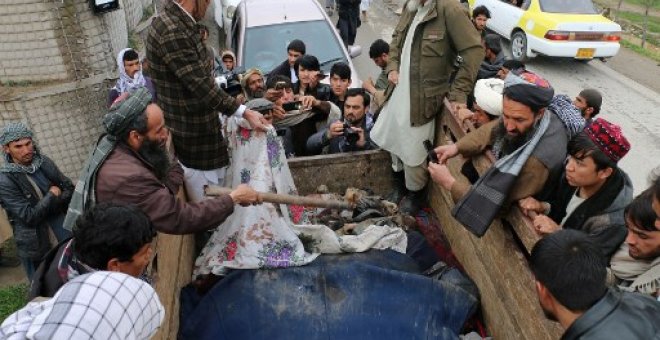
x=372, y=295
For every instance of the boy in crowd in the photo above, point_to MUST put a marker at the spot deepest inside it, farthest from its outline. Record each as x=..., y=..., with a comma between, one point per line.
x=340, y=81
x=636, y=266
x=294, y=50
x=570, y=272
x=130, y=76
x=228, y=60
x=480, y=16
x=110, y=236
x=589, y=102
x=593, y=192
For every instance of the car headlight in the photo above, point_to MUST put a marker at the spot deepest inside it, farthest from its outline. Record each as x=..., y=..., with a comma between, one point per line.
x=230, y=12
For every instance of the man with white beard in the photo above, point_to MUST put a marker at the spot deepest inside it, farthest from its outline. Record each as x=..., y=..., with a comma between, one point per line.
x=425, y=45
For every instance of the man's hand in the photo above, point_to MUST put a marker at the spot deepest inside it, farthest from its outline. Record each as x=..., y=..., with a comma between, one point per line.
x=441, y=175
x=456, y=106
x=464, y=114
x=55, y=190
x=545, y=225
x=336, y=129
x=368, y=85
x=445, y=152
x=529, y=204
x=273, y=95
x=256, y=120
x=278, y=112
x=393, y=77
x=240, y=99
x=308, y=102
x=244, y=195
x=362, y=140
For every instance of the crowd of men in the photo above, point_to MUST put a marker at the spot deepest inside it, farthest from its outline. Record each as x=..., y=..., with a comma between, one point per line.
x=597, y=267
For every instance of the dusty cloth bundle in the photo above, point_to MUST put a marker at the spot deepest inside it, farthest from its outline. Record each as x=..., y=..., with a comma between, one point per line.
x=270, y=235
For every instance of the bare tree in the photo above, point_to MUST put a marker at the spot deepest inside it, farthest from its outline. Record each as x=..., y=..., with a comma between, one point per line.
x=618, y=9
x=648, y=4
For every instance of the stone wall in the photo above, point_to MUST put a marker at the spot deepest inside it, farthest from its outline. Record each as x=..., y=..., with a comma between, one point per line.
x=46, y=40
x=66, y=120
x=57, y=63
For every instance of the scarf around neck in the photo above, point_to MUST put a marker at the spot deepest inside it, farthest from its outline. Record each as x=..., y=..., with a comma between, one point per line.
x=479, y=207
x=10, y=166
x=125, y=82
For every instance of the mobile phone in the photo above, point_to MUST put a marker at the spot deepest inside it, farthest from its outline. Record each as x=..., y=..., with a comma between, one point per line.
x=291, y=106
x=430, y=153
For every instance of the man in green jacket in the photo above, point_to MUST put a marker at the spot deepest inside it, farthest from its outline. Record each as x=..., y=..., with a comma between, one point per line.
x=429, y=37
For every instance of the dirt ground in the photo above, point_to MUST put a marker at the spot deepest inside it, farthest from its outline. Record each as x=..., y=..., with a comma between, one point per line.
x=636, y=67
x=11, y=275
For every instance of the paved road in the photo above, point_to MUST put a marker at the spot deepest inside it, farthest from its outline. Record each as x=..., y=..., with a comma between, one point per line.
x=626, y=102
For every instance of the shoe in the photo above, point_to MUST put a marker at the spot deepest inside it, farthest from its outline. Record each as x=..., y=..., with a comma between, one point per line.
x=412, y=203
x=399, y=190
x=9, y=262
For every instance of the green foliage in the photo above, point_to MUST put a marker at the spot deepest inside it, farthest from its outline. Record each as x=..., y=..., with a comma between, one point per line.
x=20, y=83
x=147, y=12
x=638, y=49
x=638, y=19
x=133, y=41
x=12, y=298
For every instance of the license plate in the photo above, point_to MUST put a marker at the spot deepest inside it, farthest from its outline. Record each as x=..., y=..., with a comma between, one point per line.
x=585, y=53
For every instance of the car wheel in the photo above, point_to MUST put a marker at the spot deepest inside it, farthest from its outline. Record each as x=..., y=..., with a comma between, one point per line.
x=519, y=46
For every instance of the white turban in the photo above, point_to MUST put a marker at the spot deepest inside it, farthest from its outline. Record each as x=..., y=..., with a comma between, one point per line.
x=488, y=95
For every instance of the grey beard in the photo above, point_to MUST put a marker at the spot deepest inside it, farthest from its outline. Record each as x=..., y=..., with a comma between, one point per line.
x=413, y=5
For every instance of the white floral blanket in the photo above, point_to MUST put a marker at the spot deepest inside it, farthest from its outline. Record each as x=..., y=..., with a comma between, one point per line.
x=268, y=235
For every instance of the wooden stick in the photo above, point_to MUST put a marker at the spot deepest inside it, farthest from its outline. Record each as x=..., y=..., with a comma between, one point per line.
x=269, y=197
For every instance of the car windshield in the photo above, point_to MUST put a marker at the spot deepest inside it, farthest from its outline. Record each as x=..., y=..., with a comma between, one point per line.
x=265, y=46
x=568, y=6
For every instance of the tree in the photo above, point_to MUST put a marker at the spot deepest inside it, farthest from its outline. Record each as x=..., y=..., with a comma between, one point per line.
x=648, y=4
x=618, y=9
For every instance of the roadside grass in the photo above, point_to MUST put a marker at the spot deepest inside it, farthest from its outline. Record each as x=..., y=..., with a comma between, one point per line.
x=12, y=298
x=639, y=50
x=638, y=19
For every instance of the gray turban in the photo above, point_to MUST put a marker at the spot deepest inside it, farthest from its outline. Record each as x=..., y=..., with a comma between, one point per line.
x=259, y=105
x=122, y=113
x=13, y=132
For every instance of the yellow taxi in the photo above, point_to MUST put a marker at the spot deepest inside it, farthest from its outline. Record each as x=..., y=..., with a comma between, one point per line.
x=557, y=28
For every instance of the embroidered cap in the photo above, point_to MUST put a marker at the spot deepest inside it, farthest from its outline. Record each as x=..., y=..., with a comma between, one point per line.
x=608, y=138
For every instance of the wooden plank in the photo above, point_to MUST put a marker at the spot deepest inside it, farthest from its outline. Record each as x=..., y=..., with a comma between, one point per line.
x=495, y=262
x=365, y=169
x=496, y=314
x=173, y=270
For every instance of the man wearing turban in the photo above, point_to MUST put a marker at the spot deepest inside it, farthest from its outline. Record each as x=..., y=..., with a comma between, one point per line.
x=525, y=118
x=35, y=194
x=131, y=165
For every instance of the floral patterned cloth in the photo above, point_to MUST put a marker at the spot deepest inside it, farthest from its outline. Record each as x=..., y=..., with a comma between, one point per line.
x=269, y=235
